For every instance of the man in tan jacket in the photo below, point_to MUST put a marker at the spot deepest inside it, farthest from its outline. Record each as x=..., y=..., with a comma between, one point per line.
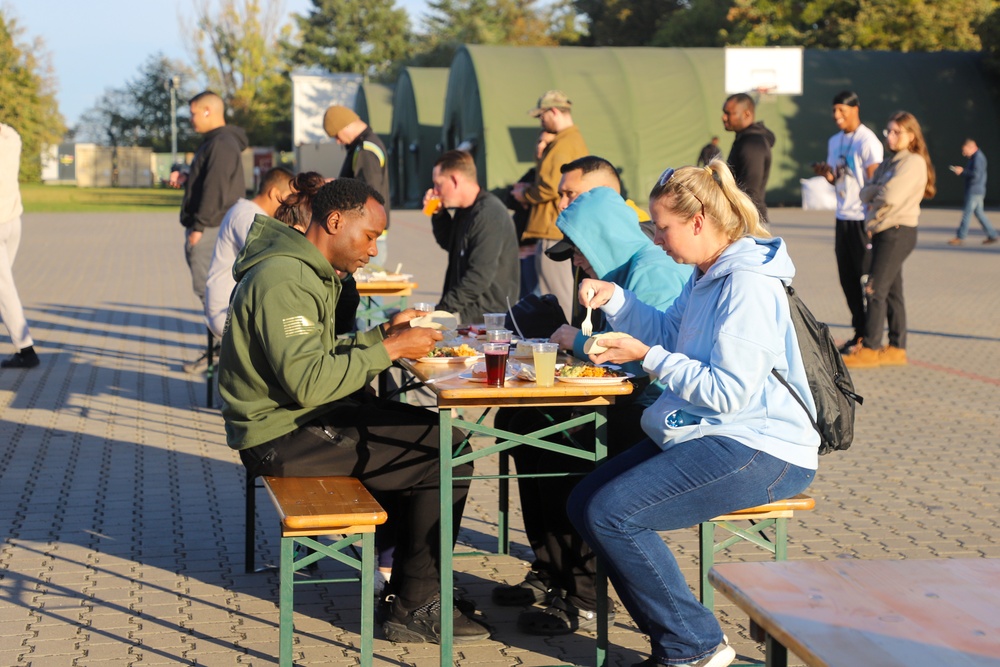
x=554, y=113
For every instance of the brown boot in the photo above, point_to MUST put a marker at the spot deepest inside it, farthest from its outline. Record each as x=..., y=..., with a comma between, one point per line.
x=892, y=356
x=863, y=357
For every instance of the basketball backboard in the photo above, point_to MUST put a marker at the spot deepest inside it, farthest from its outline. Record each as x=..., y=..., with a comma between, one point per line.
x=775, y=70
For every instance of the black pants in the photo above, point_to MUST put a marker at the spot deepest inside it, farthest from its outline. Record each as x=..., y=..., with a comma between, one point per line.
x=850, y=243
x=885, y=286
x=560, y=552
x=393, y=449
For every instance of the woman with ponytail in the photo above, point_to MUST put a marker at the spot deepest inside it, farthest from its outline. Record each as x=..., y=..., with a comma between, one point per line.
x=725, y=434
x=893, y=197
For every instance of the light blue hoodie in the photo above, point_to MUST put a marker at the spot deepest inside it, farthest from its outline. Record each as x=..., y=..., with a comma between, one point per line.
x=714, y=348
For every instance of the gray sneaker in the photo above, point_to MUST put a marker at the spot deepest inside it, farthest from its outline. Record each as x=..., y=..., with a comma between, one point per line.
x=423, y=625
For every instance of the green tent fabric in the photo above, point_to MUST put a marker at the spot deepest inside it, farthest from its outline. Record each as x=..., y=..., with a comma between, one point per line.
x=374, y=105
x=417, y=109
x=645, y=109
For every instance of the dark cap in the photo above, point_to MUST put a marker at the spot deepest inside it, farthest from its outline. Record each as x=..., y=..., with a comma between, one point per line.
x=561, y=251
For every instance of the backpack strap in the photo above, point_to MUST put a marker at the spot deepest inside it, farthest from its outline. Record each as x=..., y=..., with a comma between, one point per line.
x=798, y=399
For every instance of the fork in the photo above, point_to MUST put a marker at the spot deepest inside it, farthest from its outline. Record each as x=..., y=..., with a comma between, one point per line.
x=587, y=328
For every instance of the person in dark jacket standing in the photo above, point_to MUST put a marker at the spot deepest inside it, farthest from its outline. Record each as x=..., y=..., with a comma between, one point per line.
x=366, y=158
x=974, y=173
x=483, y=264
x=214, y=183
x=750, y=156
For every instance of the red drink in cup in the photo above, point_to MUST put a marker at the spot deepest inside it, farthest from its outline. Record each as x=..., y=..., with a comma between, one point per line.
x=496, y=363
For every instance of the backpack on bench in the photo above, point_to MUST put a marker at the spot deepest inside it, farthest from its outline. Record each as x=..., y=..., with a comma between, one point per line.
x=829, y=381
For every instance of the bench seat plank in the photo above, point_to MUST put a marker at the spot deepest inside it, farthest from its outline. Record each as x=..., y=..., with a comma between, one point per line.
x=779, y=508
x=309, y=504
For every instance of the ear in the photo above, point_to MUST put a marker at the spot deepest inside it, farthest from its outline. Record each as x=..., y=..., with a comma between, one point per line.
x=334, y=222
x=698, y=223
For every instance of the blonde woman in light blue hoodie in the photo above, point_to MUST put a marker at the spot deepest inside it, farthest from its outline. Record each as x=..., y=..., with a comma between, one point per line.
x=724, y=434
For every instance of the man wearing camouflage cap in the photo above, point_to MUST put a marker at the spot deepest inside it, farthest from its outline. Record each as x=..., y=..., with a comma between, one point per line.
x=367, y=159
x=554, y=111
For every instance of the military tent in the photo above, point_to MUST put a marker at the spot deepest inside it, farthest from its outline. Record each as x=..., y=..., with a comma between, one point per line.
x=647, y=108
x=417, y=109
x=374, y=105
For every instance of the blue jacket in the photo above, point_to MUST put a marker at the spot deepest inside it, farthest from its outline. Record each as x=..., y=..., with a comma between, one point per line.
x=975, y=174
x=714, y=349
x=607, y=232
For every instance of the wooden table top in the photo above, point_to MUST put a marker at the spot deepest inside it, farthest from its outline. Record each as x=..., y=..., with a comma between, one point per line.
x=386, y=288
x=453, y=391
x=942, y=612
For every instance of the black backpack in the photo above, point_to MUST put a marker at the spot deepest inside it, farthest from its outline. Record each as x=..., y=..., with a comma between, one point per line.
x=829, y=381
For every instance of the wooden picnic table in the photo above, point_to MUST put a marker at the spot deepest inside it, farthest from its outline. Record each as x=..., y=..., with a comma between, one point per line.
x=846, y=613
x=453, y=392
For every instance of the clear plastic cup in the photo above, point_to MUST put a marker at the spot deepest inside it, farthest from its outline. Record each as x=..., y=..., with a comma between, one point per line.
x=499, y=335
x=544, y=355
x=494, y=320
x=496, y=363
x=424, y=307
x=433, y=205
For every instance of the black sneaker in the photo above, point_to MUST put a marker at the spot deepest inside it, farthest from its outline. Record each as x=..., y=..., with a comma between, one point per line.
x=25, y=358
x=849, y=346
x=423, y=624
x=535, y=589
x=722, y=656
x=561, y=617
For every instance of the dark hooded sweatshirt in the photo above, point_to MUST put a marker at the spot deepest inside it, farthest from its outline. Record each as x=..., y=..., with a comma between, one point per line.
x=216, y=179
x=750, y=159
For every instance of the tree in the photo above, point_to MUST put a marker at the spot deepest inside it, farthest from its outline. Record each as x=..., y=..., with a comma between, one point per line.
x=360, y=36
x=702, y=23
x=27, y=95
x=625, y=22
x=139, y=113
x=235, y=46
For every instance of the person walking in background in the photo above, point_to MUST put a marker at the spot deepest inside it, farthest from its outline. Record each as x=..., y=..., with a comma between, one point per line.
x=725, y=434
x=750, y=156
x=366, y=159
x=214, y=184
x=974, y=173
x=554, y=112
x=274, y=187
x=483, y=274
x=11, y=310
x=709, y=152
x=893, y=196
x=852, y=156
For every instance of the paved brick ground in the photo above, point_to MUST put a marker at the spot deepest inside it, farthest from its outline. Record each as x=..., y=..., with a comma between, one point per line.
x=121, y=508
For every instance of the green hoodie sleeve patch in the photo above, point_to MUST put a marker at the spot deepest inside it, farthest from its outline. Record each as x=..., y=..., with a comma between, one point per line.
x=298, y=326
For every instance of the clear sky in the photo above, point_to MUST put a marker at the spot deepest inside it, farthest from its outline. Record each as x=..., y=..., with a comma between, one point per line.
x=101, y=44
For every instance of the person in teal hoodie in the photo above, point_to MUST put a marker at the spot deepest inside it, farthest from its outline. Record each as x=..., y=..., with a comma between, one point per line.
x=295, y=402
x=602, y=234
x=725, y=434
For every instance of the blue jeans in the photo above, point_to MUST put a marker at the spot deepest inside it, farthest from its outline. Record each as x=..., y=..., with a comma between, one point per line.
x=620, y=507
x=974, y=206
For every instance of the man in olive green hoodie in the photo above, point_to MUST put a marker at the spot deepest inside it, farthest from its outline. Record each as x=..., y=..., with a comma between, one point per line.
x=295, y=398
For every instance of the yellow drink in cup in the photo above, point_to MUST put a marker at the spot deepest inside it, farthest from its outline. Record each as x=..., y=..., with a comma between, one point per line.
x=545, y=363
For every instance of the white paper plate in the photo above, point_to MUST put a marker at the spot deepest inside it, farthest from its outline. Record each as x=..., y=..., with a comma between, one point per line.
x=450, y=360
x=607, y=380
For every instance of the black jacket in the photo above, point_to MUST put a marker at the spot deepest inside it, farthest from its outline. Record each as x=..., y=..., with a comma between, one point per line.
x=368, y=161
x=216, y=181
x=483, y=265
x=750, y=159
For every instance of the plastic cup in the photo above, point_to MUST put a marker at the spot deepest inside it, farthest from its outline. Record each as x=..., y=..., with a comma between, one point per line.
x=545, y=363
x=499, y=335
x=496, y=363
x=494, y=320
x=432, y=206
x=424, y=307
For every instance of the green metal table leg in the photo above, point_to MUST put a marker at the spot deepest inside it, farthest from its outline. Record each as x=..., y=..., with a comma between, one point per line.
x=600, y=454
x=503, y=500
x=776, y=654
x=367, y=576
x=285, y=601
x=447, y=530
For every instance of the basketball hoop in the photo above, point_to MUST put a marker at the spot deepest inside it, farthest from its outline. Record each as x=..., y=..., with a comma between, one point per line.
x=764, y=93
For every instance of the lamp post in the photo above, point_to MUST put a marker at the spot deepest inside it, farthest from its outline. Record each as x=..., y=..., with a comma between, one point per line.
x=174, y=83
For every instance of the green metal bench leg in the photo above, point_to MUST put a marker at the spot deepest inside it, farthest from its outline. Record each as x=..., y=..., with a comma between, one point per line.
x=285, y=602
x=367, y=598
x=781, y=538
x=706, y=532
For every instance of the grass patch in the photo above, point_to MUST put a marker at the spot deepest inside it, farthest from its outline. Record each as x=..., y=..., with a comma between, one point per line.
x=71, y=199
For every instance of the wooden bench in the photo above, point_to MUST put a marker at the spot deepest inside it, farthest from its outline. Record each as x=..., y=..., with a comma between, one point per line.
x=314, y=506
x=770, y=516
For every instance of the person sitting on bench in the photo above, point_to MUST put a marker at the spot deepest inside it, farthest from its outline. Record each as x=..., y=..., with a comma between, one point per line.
x=295, y=402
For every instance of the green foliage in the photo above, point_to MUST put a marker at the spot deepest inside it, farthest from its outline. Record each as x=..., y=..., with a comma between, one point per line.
x=704, y=23
x=139, y=113
x=354, y=36
x=625, y=22
x=235, y=48
x=27, y=95
x=989, y=34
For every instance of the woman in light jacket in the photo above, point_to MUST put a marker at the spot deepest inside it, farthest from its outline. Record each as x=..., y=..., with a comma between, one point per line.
x=893, y=197
x=724, y=434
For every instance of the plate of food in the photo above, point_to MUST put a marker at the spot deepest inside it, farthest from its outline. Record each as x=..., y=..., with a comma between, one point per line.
x=590, y=374
x=452, y=354
x=523, y=349
x=478, y=372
